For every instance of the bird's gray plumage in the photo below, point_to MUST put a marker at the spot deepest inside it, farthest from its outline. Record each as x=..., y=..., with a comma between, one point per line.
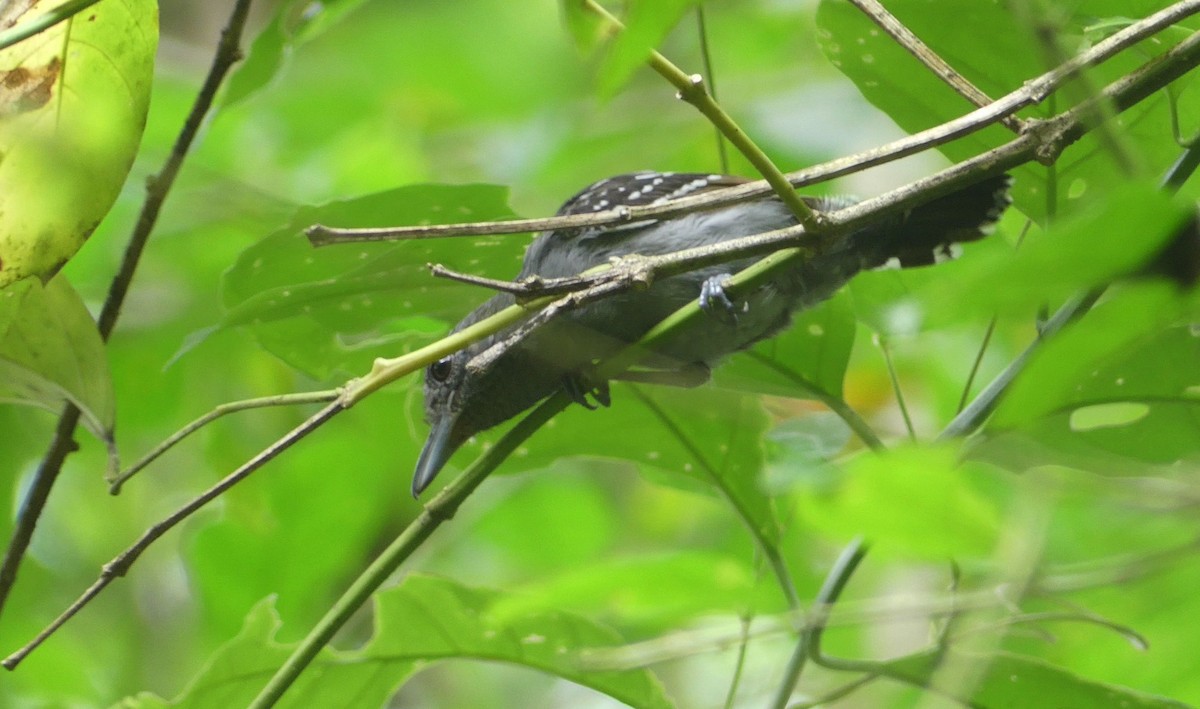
x=462, y=400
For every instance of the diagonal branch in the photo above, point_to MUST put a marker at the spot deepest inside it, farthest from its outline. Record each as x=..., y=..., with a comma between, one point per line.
x=1031, y=92
x=120, y=564
x=228, y=53
x=905, y=37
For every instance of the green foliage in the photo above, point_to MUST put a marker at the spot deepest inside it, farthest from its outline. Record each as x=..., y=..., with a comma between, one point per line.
x=71, y=116
x=51, y=353
x=450, y=621
x=634, y=551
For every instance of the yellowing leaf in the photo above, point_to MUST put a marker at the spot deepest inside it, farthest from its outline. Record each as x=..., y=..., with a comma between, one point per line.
x=73, y=105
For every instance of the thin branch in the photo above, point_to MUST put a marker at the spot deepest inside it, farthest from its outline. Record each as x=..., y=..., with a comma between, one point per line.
x=157, y=188
x=707, y=63
x=809, y=646
x=308, y=397
x=692, y=90
x=768, y=547
x=441, y=509
x=1031, y=92
x=891, y=369
x=913, y=44
x=836, y=404
x=121, y=563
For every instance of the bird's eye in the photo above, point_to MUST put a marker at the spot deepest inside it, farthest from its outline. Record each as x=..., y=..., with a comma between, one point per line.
x=440, y=369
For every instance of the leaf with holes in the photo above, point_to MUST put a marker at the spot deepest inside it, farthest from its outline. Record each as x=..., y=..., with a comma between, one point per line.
x=804, y=362
x=913, y=96
x=331, y=311
x=73, y=103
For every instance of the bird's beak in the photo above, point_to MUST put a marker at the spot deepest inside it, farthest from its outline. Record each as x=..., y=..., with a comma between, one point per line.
x=438, y=449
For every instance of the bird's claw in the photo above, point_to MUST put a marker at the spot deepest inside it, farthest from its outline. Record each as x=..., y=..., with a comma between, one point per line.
x=578, y=389
x=715, y=301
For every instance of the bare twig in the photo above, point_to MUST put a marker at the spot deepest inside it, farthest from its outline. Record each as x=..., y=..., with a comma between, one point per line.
x=313, y=397
x=228, y=53
x=913, y=44
x=1030, y=93
x=120, y=564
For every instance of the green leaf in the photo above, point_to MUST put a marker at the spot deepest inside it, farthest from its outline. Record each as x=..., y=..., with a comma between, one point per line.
x=1110, y=396
x=812, y=354
x=332, y=310
x=1100, y=244
x=421, y=620
x=1009, y=681
x=72, y=110
x=295, y=23
x=1057, y=379
x=918, y=500
x=427, y=618
x=51, y=353
x=646, y=23
x=658, y=590
x=585, y=26
x=703, y=439
x=894, y=81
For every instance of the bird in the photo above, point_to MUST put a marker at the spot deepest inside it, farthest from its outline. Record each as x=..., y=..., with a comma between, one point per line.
x=466, y=393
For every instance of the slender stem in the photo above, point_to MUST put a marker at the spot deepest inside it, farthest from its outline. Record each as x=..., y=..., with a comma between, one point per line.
x=707, y=63
x=121, y=563
x=739, y=664
x=982, y=406
x=809, y=646
x=891, y=369
x=691, y=89
x=766, y=545
x=439, y=510
x=976, y=364
x=313, y=397
x=913, y=44
x=836, y=404
x=63, y=443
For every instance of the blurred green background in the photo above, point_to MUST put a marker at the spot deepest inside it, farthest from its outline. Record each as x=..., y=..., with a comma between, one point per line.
x=370, y=97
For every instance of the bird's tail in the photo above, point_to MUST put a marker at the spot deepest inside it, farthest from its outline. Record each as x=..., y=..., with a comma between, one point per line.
x=928, y=234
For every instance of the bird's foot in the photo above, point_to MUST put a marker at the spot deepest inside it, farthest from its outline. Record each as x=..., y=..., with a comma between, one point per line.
x=578, y=387
x=715, y=301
